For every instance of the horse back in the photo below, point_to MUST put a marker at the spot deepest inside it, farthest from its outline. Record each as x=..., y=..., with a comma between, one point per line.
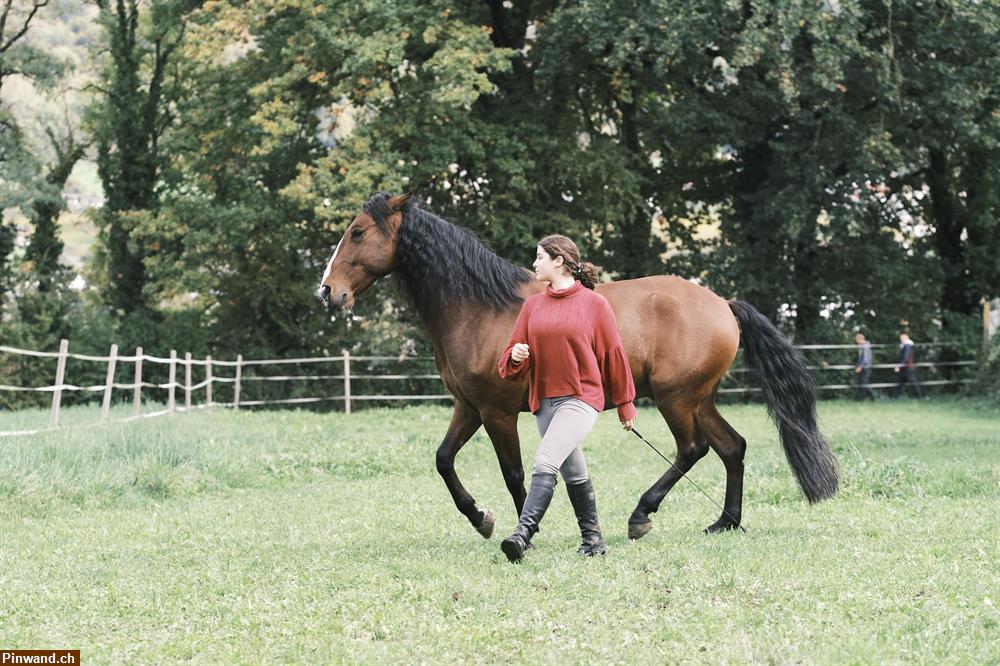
x=676, y=334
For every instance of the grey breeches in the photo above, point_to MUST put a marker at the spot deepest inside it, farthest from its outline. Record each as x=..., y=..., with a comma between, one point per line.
x=563, y=424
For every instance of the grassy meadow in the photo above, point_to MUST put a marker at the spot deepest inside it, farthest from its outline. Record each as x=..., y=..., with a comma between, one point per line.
x=292, y=536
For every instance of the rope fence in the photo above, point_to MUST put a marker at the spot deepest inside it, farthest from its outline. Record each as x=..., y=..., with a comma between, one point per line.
x=236, y=379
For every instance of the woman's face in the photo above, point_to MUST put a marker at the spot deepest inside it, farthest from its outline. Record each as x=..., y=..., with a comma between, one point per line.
x=547, y=268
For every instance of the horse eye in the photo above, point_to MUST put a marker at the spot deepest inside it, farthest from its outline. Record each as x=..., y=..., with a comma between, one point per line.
x=357, y=233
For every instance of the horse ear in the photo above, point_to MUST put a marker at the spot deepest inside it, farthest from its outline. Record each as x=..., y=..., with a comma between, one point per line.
x=397, y=203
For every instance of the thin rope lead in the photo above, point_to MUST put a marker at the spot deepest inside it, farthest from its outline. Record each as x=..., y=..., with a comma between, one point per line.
x=671, y=463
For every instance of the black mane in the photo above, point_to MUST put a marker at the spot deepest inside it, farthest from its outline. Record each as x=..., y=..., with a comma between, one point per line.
x=439, y=262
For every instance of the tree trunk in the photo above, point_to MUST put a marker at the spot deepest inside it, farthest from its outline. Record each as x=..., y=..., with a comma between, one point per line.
x=807, y=295
x=637, y=258
x=948, y=227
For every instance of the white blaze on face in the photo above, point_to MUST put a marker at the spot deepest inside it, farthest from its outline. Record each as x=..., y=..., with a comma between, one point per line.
x=330, y=265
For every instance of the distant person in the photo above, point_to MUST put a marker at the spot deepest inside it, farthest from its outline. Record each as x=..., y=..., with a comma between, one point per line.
x=863, y=368
x=906, y=367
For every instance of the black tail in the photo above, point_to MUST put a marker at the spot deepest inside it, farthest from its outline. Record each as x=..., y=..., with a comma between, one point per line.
x=791, y=401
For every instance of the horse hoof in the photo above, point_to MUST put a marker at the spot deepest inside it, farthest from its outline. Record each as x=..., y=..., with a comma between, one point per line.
x=639, y=530
x=720, y=526
x=485, y=528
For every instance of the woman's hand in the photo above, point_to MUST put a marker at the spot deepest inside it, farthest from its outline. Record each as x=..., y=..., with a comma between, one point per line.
x=519, y=352
x=627, y=425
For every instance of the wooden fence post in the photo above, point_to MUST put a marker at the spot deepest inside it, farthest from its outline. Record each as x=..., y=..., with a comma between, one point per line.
x=347, y=382
x=187, y=380
x=986, y=320
x=60, y=373
x=236, y=384
x=173, y=377
x=208, y=382
x=109, y=382
x=137, y=391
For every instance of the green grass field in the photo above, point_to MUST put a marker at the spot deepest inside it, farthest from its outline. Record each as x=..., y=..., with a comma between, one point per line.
x=293, y=536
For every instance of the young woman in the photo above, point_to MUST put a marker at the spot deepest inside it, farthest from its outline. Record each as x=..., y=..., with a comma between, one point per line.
x=566, y=342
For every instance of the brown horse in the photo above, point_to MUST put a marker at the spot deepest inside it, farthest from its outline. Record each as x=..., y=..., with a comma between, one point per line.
x=680, y=339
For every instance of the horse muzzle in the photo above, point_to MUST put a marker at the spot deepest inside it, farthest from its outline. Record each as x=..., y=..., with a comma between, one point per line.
x=337, y=305
x=324, y=294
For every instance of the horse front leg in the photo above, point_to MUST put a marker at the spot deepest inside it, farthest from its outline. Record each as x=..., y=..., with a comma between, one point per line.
x=465, y=422
x=502, y=428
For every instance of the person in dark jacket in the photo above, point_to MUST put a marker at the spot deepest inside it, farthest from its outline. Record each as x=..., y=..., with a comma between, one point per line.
x=863, y=368
x=906, y=367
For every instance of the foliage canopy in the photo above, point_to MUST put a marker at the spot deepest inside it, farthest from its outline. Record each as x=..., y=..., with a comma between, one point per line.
x=836, y=163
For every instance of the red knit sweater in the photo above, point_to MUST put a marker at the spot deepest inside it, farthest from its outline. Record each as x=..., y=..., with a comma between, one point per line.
x=574, y=349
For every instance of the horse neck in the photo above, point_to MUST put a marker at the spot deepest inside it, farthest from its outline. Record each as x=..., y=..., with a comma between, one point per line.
x=440, y=318
x=438, y=295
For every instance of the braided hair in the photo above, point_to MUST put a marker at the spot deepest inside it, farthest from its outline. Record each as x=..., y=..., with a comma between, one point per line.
x=561, y=246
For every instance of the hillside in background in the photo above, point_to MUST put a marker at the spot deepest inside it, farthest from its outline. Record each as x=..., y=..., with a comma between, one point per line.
x=69, y=30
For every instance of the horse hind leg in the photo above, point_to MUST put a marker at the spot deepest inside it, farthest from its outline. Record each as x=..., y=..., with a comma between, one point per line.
x=731, y=447
x=691, y=448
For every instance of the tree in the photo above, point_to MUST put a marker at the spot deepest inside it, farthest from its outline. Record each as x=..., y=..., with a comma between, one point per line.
x=941, y=85
x=42, y=253
x=18, y=167
x=260, y=181
x=128, y=121
x=759, y=147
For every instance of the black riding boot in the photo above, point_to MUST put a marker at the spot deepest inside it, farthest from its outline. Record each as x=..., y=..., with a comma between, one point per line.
x=535, y=505
x=581, y=496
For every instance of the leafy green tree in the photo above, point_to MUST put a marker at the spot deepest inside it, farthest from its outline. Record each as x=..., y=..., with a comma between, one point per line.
x=42, y=253
x=261, y=179
x=128, y=122
x=18, y=167
x=942, y=89
x=28, y=316
x=833, y=163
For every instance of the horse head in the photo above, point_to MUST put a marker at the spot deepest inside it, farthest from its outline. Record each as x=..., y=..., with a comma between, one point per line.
x=366, y=252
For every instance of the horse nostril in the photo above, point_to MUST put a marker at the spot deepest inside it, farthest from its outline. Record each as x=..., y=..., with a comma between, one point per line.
x=324, y=293
x=343, y=299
